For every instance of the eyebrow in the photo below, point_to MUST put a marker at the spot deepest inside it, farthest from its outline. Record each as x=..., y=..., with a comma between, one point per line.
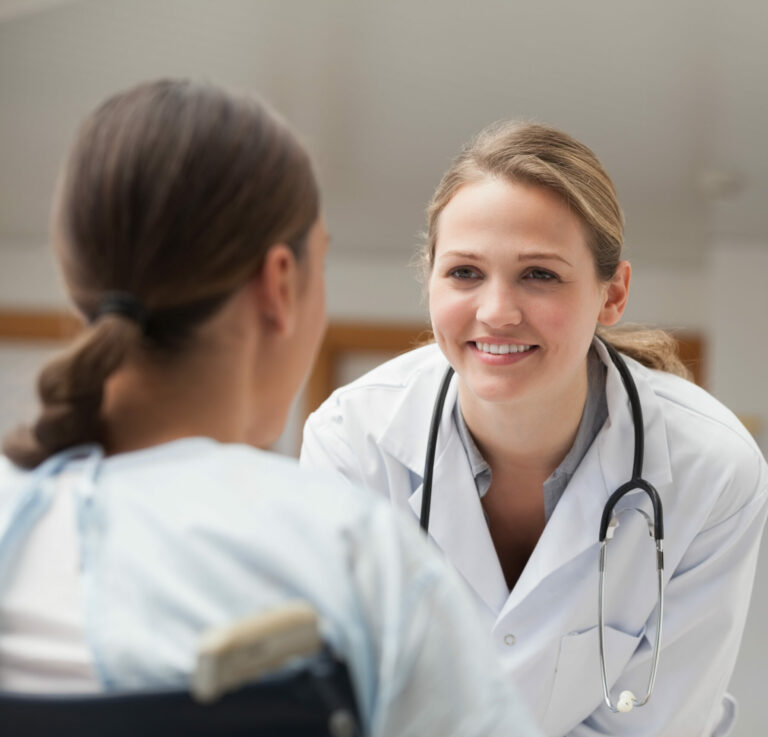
x=527, y=256
x=543, y=255
x=469, y=255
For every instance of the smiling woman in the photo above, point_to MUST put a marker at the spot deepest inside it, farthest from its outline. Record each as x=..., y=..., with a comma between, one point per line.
x=573, y=190
x=526, y=286
x=513, y=282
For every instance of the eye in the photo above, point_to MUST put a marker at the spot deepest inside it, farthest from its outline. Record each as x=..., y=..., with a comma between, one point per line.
x=540, y=275
x=464, y=273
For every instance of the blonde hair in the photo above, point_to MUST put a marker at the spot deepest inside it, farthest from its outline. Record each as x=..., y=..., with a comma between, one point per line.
x=544, y=156
x=172, y=195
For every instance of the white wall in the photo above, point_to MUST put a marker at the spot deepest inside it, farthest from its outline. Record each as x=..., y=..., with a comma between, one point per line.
x=738, y=316
x=379, y=290
x=668, y=297
x=28, y=277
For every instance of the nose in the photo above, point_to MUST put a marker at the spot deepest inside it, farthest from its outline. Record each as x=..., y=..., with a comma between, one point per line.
x=499, y=306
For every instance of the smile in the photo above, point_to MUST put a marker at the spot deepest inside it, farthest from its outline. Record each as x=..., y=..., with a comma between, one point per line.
x=501, y=349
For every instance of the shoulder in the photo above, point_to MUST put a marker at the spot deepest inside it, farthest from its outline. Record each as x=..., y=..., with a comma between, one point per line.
x=378, y=394
x=239, y=477
x=694, y=413
x=12, y=479
x=9, y=473
x=399, y=372
x=704, y=435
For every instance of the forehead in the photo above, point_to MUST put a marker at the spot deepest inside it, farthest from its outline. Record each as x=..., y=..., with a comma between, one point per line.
x=496, y=212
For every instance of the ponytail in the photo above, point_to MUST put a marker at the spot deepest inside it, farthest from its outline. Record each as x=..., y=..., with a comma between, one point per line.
x=654, y=348
x=70, y=389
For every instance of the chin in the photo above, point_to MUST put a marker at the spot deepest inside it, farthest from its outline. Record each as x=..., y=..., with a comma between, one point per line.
x=496, y=391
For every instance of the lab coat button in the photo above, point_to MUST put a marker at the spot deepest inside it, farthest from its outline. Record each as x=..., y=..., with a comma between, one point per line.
x=510, y=639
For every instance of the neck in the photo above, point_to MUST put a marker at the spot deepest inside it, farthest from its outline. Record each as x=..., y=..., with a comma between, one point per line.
x=530, y=436
x=205, y=391
x=145, y=406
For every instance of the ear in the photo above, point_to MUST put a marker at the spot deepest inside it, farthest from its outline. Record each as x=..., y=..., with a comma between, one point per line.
x=615, y=295
x=276, y=287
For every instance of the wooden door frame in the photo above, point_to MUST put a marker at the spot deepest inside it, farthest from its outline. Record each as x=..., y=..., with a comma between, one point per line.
x=38, y=325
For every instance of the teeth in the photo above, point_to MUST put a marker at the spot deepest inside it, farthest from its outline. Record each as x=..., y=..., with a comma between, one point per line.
x=502, y=350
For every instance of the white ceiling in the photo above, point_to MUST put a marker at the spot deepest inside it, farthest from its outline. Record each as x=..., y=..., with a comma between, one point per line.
x=671, y=95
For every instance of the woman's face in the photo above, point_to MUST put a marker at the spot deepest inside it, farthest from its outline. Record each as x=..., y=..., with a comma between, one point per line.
x=514, y=297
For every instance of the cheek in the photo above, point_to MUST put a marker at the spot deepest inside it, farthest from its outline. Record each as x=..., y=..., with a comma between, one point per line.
x=569, y=315
x=548, y=314
x=448, y=309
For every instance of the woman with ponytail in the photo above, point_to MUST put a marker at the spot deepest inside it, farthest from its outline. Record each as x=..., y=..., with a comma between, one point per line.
x=136, y=510
x=526, y=285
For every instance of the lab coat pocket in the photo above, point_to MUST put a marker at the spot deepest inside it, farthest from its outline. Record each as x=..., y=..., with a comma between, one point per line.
x=577, y=689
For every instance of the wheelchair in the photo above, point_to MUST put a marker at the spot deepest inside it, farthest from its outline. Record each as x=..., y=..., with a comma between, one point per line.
x=269, y=675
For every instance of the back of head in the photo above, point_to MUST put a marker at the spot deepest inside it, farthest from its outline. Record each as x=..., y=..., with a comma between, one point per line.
x=171, y=196
x=543, y=156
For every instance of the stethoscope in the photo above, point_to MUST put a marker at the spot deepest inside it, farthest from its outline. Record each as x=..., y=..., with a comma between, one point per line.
x=608, y=524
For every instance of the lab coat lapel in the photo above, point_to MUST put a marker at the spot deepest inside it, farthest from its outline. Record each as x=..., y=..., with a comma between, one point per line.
x=572, y=528
x=405, y=436
x=457, y=523
x=574, y=525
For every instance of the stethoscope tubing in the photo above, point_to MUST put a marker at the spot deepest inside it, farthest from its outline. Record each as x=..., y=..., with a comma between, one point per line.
x=429, y=463
x=627, y=700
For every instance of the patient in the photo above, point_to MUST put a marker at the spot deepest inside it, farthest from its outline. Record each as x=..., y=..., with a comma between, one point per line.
x=136, y=511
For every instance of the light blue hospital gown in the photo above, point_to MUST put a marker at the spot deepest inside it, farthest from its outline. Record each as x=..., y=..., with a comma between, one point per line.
x=192, y=534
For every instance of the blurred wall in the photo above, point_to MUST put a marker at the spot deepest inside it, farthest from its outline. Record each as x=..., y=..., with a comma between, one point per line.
x=737, y=309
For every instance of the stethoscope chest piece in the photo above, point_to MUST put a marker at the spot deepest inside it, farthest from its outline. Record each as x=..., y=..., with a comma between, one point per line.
x=608, y=526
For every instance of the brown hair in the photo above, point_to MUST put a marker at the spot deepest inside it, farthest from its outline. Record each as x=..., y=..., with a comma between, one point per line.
x=172, y=194
x=546, y=157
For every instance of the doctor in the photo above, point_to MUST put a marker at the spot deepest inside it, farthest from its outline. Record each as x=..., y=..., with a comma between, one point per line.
x=523, y=266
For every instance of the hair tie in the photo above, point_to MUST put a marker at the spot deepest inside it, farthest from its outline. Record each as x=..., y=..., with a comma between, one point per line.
x=123, y=304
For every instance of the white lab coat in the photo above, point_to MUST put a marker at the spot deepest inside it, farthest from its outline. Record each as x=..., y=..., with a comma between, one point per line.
x=713, y=482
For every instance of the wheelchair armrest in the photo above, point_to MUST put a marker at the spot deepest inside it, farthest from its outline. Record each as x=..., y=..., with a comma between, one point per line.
x=240, y=653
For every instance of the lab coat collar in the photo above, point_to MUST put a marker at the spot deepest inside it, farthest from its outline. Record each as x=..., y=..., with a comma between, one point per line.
x=405, y=436
x=457, y=523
